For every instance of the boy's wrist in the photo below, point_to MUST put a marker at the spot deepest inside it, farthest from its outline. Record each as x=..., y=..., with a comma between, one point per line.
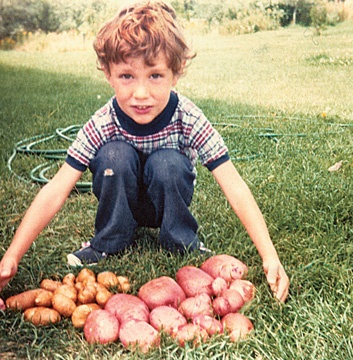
x=270, y=255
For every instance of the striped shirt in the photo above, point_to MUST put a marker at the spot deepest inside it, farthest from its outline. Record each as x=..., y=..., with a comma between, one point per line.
x=181, y=126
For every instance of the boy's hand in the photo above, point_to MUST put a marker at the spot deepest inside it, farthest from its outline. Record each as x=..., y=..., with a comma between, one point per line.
x=2, y=305
x=8, y=269
x=277, y=279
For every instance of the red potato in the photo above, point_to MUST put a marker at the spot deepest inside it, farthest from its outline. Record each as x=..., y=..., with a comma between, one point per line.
x=194, y=281
x=205, y=298
x=221, y=306
x=161, y=291
x=237, y=325
x=191, y=333
x=218, y=285
x=140, y=335
x=234, y=298
x=126, y=307
x=245, y=288
x=101, y=327
x=194, y=306
x=167, y=318
x=224, y=266
x=209, y=323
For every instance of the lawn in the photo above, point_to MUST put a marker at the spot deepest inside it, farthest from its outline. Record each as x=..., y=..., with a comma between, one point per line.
x=283, y=102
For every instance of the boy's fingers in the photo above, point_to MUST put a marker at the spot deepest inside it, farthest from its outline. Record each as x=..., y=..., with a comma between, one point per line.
x=2, y=305
x=278, y=281
x=282, y=295
x=8, y=270
x=283, y=285
x=272, y=277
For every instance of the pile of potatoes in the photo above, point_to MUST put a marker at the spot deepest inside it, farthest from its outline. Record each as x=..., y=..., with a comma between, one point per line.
x=199, y=303
x=74, y=296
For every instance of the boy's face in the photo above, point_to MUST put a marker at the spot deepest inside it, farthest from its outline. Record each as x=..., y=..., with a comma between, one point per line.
x=142, y=91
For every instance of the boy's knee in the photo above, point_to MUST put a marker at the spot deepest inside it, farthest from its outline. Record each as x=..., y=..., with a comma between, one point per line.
x=113, y=156
x=168, y=164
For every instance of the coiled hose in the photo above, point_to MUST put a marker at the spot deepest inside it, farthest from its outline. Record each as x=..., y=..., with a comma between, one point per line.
x=30, y=145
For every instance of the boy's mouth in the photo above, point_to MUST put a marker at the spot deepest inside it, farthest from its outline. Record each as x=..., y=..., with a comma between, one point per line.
x=142, y=109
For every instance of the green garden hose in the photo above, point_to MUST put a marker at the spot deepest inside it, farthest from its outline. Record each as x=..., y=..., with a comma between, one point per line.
x=32, y=147
x=29, y=146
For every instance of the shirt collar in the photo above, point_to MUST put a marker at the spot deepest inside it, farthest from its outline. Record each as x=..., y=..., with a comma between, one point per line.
x=156, y=125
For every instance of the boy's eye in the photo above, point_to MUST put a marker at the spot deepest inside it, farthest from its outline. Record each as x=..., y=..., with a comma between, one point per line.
x=126, y=76
x=156, y=76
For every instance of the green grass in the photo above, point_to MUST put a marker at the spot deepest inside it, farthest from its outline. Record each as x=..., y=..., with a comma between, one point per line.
x=280, y=83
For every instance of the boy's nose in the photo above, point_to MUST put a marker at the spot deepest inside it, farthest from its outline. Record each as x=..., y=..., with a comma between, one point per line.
x=141, y=91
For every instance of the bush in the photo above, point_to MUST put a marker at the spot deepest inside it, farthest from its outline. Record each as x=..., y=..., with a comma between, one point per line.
x=318, y=15
x=253, y=20
x=24, y=16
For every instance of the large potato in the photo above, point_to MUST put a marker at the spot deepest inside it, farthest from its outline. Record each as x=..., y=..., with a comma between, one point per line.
x=136, y=334
x=161, y=291
x=126, y=307
x=167, y=318
x=194, y=281
x=101, y=327
x=224, y=266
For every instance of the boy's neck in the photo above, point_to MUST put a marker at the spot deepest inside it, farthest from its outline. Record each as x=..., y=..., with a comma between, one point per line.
x=160, y=122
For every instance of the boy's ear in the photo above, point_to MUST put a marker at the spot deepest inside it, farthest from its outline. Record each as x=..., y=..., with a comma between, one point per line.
x=175, y=79
x=106, y=70
x=180, y=73
x=106, y=73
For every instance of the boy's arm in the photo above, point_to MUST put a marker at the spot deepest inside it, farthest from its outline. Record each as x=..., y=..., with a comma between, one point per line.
x=244, y=205
x=46, y=204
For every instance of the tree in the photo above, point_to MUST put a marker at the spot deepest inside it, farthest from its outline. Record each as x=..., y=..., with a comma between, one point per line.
x=318, y=14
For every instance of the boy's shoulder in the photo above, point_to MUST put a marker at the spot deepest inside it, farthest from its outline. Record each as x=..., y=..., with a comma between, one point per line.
x=103, y=115
x=105, y=109
x=187, y=106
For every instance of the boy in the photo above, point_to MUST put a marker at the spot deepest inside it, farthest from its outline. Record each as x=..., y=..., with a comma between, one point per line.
x=141, y=148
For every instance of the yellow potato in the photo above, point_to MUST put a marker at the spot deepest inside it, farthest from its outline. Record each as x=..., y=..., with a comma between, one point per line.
x=64, y=305
x=81, y=313
x=42, y=316
x=23, y=300
x=108, y=279
x=44, y=298
x=50, y=285
x=67, y=290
